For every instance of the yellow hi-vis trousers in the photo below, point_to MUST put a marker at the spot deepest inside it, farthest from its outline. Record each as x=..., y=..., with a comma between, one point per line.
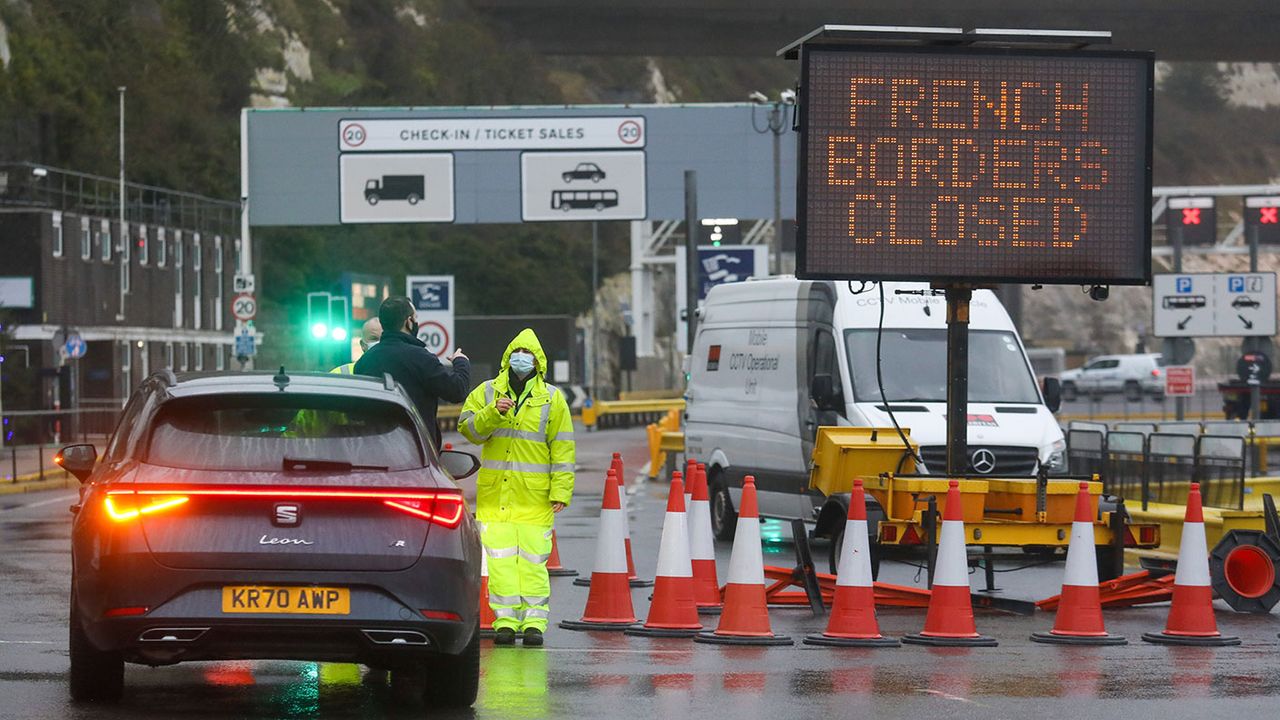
x=519, y=588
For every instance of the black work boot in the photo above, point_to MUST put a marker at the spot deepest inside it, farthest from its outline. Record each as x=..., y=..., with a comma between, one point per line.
x=504, y=636
x=532, y=637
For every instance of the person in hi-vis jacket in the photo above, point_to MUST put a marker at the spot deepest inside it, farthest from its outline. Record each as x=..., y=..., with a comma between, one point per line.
x=526, y=476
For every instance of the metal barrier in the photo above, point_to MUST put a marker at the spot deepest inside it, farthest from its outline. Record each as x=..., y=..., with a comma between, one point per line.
x=1170, y=467
x=628, y=413
x=1219, y=468
x=1126, y=468
x=1159, y=467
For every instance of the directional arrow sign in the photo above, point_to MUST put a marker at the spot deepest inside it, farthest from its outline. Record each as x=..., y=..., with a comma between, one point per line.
x=1214, y=304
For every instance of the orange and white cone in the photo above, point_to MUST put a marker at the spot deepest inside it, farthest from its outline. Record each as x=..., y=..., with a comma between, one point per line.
x=1079, y=619
x=487, y=615
x=616, y=467
x=744, y=619
x=1191, y=620
x=672, y=613
x=554, y=567
x=609, y=601
x=950, y=618
x=702, y=549
x=853, y=612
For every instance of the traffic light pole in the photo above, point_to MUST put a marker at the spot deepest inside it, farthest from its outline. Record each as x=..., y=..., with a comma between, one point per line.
x=1255, y=390
x=1179, y=403
x=958, y=381
x=690, y=254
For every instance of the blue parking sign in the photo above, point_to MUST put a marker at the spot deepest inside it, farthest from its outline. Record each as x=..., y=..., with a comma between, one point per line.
x=1183, y=285
x=1235, y=283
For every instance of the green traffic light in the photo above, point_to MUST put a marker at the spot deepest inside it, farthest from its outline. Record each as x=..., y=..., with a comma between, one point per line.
x=339, y=334
x=319, y=330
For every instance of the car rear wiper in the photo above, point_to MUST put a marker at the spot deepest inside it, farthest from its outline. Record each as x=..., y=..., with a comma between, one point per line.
x=319, y=465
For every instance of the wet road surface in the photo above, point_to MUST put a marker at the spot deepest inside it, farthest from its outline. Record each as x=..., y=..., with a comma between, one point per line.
x=611, y=675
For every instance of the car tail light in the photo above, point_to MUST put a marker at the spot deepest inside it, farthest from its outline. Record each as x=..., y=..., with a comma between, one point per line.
x=442, y=509
x=889, y=533
x=125, y=505
x=1155, y=373
x=125, y=612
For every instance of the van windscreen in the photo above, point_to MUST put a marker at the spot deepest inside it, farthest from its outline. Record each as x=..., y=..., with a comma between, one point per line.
x=914, y=365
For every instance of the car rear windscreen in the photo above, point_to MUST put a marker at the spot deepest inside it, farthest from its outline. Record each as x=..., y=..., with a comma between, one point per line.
x=271, y=432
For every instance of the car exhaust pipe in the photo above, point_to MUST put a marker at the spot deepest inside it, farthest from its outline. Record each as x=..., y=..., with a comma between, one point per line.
x=172, y=635
x=396, y=637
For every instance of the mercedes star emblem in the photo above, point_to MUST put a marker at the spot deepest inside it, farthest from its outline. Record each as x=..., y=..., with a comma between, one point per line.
x=983, y=461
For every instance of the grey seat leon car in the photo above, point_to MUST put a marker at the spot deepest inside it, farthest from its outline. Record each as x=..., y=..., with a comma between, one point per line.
x=259, y=516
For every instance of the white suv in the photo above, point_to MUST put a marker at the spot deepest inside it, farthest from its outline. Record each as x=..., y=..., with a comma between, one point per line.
x=1132, y=375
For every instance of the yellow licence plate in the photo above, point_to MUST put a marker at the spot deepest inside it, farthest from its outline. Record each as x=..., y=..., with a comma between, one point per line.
x=281, y=599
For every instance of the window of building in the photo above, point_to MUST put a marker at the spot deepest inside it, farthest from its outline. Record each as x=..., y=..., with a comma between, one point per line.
x=219, y=358
x=197, y=286
x=184, y=355
x=162, y=247
x=217, y=284
x=168, y=355
x=125, y=244
x=126, y=369
x=144, y=246
x=104, y=240
x=58, y=237
x=86, y=239
x=199, y=356
x=177, y=281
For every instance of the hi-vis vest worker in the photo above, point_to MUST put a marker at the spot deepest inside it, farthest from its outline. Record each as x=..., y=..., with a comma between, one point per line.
x=526, y=476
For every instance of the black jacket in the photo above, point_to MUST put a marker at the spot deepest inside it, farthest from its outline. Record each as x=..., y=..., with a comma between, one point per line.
x=424, y=377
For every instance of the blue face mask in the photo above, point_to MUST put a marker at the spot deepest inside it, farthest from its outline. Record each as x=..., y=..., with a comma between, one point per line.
x=521, y=363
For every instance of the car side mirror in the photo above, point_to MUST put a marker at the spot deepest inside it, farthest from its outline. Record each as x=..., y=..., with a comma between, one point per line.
x=459, y=464
x=1052, y=389
x=822, y=390
x=77, y=460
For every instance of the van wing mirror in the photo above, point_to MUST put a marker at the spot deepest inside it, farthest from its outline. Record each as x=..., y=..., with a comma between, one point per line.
x=77, y=460
x=822, y=390
x=459, y=464
x=1052, y=393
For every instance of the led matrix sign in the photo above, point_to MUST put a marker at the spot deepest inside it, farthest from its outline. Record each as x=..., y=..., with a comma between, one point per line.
x=966, y=165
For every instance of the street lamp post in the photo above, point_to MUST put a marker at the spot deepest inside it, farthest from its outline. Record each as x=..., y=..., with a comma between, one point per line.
x=777, y=126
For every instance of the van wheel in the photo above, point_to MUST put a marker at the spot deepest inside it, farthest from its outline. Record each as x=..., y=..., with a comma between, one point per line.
x=413, y=199
x=1132, y=391
x=95, y=676
x=1069, y=392
x=724, y=519
x=837, y=544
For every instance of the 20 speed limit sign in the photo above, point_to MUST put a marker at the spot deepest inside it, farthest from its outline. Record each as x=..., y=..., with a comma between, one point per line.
x=435, y=336
x=244, y=307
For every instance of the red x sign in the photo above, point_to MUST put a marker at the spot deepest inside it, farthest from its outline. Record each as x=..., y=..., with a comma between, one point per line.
x=1269, y=216
x=1191, y=216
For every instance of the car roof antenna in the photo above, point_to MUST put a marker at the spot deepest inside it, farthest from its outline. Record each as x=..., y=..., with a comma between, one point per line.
x=281, y=380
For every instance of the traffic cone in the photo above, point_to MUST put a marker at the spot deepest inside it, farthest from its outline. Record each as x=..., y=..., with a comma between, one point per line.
x=853, y=612
x=702, y=551
x=609, y=602
x=1191, y=620
x=673, y=612
x=745, y=617
x=950, y=618
x=487, y=615
x=554, y=568
x=690, y=474
x=1079, y=620
x=616, y=467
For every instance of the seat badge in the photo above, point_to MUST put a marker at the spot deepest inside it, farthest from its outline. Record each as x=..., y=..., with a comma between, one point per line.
x=286, y=515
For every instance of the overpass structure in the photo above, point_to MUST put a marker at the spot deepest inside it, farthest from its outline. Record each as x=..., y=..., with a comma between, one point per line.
x=1182, y=30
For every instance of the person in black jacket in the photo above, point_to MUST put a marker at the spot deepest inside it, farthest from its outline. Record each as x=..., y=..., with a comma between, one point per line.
x=418, y=370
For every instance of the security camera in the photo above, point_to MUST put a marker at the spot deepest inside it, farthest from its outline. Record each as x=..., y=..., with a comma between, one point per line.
x=788, y=97
x=758, y=97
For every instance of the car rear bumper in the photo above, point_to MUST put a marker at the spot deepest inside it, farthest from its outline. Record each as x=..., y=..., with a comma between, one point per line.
x=388, y=644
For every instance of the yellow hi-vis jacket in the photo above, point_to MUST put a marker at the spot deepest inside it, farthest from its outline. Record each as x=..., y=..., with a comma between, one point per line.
x=527, y=458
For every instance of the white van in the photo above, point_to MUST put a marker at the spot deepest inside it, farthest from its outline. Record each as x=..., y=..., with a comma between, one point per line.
x=758, y=388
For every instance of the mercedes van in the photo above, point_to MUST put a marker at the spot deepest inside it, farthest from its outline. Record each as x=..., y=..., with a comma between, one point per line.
x=776, y=358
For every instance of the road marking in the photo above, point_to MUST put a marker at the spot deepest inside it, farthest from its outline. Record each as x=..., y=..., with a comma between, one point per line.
x=616, y=651
x=41, y=503
x=947, y=696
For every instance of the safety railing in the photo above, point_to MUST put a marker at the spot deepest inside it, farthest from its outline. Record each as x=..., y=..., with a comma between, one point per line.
x=628, y=413
x=1159, y=466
